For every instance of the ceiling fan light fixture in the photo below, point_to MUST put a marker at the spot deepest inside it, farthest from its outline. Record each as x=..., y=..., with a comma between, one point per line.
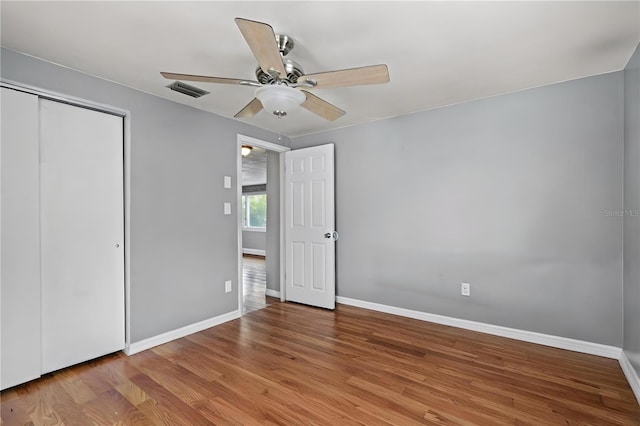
x=246, y=150
x=280, y=99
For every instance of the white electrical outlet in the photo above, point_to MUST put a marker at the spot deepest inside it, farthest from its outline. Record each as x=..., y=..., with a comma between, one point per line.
x=227, y=181
x=465, y=289
x=227, y=286
x=227, y=208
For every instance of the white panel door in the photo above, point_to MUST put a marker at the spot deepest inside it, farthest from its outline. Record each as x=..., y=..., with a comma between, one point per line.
x=20, y=248
x=82, y=234
x=310, y=226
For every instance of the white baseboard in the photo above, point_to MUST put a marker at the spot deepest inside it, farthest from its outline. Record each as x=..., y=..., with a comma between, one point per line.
x=631, y=374
x=272, y=293
x=149, y=343
x=512, y=333
x=255, y=252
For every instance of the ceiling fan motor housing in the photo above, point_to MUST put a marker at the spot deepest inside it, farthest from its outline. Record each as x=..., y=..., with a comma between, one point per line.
x=293, y=69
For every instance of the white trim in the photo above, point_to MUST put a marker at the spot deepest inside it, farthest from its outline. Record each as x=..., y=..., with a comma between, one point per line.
x=127, y=228
x=160, y=339
x=269, y=146
x=245, y=229
x=248, y=140
x=255, y=252
x=283, y=263
x=512, y=333
x=239, y=142
x=61, y=97
x=631, y=374
x=272, y=293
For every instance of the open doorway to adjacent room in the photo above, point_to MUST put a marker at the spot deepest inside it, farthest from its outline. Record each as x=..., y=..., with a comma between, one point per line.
x=254, y=228
x=259, y=211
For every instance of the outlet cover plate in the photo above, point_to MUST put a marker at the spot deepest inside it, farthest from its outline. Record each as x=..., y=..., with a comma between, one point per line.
x=465, y=289
x=227, y=286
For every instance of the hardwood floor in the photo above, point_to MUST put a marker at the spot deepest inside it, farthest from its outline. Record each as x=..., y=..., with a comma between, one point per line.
x=289, y=364
x=254, y=283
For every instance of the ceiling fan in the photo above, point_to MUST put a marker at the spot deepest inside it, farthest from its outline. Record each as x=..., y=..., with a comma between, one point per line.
x=281, y=83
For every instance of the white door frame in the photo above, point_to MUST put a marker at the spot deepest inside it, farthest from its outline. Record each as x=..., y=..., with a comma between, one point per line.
x=270, y=146
x=126, y=116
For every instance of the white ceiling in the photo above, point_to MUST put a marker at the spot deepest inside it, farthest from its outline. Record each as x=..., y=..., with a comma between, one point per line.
x=438, y=53
x=254, y=167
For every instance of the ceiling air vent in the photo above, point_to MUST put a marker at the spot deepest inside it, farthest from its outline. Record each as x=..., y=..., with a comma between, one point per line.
x=187, y=89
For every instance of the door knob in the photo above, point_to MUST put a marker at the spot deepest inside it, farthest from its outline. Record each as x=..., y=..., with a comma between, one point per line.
x=333, y=235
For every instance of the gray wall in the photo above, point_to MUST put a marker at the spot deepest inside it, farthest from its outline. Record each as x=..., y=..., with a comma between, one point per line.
x=254, y=240
x=182, y=246
x=273, y=221
x=631, y=343
x=509, y=193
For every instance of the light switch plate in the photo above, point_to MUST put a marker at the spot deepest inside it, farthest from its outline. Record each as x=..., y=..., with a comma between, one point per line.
x=227, y=181
x=227, y=208
x=227, y=286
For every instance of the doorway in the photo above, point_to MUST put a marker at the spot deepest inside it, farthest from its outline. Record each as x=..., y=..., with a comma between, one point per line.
x=259, y=223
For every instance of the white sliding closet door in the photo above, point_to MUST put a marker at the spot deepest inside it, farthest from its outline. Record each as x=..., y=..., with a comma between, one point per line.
x=82, y=234
x=20, y=240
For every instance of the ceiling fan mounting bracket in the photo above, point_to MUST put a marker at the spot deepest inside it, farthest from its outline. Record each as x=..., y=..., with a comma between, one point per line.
x=285, y=43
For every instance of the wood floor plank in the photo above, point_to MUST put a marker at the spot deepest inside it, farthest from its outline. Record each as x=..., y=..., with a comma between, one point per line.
x=13, y=410
x=164, y=405
x=111, y=407
x=194, y=361
x=290, y=364
x=220, y=411
x=190, y=389
x=132, y=393
x=163, y=413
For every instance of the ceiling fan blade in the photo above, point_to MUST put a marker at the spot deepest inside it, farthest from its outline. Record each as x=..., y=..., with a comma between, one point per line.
x=251, y=109
x=373, y=74
x=262, y=42
x=207, y=79
x=321, y=107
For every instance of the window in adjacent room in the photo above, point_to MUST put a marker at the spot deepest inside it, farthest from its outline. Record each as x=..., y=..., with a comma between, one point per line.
x=254, y=211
